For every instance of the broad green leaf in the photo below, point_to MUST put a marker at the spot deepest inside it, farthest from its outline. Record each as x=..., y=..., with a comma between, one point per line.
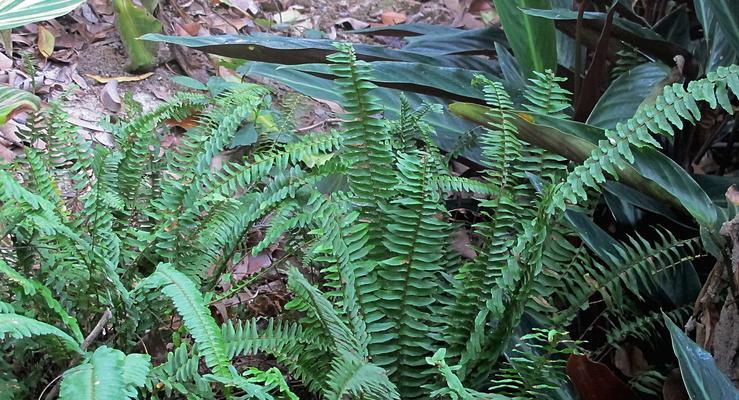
x=450, y=83
x=14, y=13
x=721, y=51
x=651, y=172
x=623, y=96
x=408, y=30
x=476, y=41
x=532, y=39
x=638, y=36
x=107, y=374
x=132, y=22
x=726, y=13
x=14, y=100
x=290, y=51
x=703, y=380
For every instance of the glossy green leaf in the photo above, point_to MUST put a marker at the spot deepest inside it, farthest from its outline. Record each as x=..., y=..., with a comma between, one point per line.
x=408, y=30
x=133, y=21
x=289, y=51
x=726, y=13
x=476, y=41
x=720, y=50
x=703, y=380
x=638, y=36
x=651, y=172
x=14, y=100
x=451, y=83
x=14, y=13
x=623, y=96
x=533, y=39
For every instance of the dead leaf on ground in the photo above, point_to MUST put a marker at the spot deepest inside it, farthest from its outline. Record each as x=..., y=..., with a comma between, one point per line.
x=105, y=79
x=251, y=265
x=5, y=62
x=289, y=16
x=6, y=155
x=392, y=18
x=45, y=42
x=630, y=360
x=109, y=96
x=732, y=194
x=351, y=23
x=595, y=381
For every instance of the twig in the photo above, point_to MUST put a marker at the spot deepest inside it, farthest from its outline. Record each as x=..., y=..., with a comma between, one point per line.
x=319, y=123
x=94, y=333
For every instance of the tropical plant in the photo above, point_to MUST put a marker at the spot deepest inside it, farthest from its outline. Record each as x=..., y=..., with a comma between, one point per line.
x=397, y=312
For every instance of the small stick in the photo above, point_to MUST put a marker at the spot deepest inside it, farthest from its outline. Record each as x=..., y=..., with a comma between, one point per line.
x=94, y=333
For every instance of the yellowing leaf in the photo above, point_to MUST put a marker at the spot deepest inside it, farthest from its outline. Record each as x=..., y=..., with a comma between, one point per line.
x=106, y=79
x=46, y=41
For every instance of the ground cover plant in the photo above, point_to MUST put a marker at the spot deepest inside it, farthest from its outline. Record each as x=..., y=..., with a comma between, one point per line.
x=560, y=239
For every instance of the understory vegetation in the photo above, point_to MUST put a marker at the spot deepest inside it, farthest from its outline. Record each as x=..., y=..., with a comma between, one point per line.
x=418, y=266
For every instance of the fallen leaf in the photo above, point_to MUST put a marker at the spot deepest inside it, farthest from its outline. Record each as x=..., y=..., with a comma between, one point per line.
x=45, y=42
x=673, y=388
x=251, y=265
x=351, y=23
x=105, y=79
x=392, y=18
x=185, y=123
x=5, y=62
x=733, y=195
x=109, y=96
x=288, y=16
x=6, y=154
x=595, y=381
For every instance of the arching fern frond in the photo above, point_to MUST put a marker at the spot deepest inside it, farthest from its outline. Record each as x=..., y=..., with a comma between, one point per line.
x=31, y=287
x=674, y=105
x=350, y=376
x=189, y=303
x=19, y=327
x=108, y=374
x=545, y=96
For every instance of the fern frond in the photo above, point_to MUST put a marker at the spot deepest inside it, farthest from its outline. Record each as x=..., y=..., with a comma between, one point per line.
x=674, y=105
x=633, y=271
x=108, y=374
x=31, y=287
x=19, y=327
x=454, y=388
x=197, y=319
x=350, y=376
x=545, y=96
x=642, y=327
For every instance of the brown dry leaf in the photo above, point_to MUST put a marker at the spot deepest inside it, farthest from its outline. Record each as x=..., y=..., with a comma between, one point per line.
x=251, y=265
x=104, y=7
x=6, y=155
x=45, y=42
x=109, y=96
x=351, y=23
x=186, y=123
x=289, y=16
x=461, y=242
x=630, y=360
x=191, y=29
x=733, y=195
x=5, y=62
x=104, y=79
x=392, y=18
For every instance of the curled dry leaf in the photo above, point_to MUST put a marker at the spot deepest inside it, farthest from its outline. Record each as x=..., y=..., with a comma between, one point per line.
x=45, y=42
x=105, y=79
x=109, y=96
x=6, y=155
x=392, y=18
x=732, y=194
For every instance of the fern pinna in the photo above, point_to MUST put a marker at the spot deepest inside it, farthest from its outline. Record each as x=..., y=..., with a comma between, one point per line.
x=397, y=313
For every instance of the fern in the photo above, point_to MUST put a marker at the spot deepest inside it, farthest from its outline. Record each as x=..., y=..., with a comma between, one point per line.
x=674, y=105
x=20, y=327
x=545, y=96
x=189, y=303
x=108, y=374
